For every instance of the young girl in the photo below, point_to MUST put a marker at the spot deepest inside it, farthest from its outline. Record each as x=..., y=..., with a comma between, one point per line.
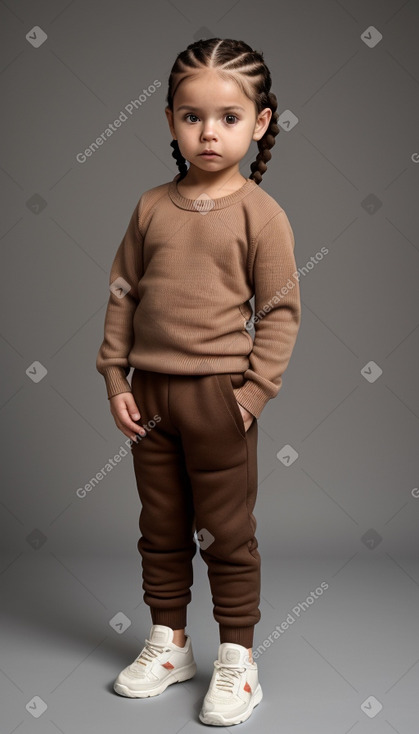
x=196, y=249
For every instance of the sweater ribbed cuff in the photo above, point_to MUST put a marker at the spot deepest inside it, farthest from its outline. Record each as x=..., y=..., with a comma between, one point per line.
x=116, y=381
x=252, y=397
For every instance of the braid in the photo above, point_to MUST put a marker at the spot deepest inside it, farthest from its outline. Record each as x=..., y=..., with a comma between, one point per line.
x=237, y=61
x=258, y=167
x=180, y=161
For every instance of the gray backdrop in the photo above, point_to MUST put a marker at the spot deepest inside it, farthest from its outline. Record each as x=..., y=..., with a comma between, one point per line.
x=343, y=510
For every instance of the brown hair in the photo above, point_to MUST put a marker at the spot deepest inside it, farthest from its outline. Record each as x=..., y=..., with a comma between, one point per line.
x=237, y=61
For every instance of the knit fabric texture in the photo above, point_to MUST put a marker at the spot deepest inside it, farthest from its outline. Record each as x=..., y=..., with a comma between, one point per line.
x=180, y=286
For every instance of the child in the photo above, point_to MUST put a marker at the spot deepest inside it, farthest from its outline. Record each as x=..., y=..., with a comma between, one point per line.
x=196, y=249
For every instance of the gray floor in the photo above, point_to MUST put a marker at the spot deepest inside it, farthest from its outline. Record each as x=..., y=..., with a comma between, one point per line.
x=345, y=653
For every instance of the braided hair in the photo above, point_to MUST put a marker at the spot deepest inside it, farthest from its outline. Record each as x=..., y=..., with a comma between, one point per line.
x=236, y=60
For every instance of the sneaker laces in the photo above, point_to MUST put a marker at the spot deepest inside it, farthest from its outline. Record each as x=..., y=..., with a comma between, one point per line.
x=226, y=676
x=149, y=652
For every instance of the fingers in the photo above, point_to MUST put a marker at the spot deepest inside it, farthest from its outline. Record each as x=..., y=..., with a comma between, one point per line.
x=248, y=417
x=248, y=423
x=125, y=412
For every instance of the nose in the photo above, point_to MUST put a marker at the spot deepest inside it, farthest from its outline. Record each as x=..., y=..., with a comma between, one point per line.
x=208, y=131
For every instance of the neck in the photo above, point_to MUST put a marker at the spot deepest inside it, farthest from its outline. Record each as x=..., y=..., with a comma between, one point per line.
x=222, y=182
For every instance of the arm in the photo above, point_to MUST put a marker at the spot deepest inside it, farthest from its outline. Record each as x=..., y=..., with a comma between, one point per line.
x=126, y=271
x=277, y=314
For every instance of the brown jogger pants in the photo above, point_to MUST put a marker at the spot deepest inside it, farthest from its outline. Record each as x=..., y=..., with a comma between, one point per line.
x=197, y=469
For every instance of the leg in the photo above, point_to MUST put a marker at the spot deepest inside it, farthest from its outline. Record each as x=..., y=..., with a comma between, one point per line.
x=221, y=460
x=166, y=520
x=179, y=637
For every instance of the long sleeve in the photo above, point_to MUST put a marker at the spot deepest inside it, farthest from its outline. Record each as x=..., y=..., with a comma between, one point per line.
x=112, y=359
x=277, y=314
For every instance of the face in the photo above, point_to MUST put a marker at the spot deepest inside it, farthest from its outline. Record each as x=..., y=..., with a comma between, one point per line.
x=212, y=113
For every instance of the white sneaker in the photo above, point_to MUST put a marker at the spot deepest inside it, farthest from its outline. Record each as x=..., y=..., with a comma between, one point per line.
x=234, y=690
x=159, y=664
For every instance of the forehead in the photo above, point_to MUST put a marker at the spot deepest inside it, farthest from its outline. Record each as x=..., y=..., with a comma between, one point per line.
x=208, y=89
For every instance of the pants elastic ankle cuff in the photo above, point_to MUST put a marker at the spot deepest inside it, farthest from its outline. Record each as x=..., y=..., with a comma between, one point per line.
x=239, y=635
x=174, y=618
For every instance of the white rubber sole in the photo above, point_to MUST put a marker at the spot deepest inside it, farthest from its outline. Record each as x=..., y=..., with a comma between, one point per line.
x=218, y=719
x=177, y=676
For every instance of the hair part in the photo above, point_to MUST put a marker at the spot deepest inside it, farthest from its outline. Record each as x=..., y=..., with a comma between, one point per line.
x=233, y=60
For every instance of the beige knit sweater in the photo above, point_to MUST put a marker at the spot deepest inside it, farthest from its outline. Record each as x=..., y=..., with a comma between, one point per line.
x=180, y=286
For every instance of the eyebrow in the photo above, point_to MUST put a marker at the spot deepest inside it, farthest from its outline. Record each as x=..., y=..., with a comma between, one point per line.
x=219, y=109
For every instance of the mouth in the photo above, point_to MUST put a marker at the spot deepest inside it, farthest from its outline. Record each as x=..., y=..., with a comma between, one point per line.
x=209, y=154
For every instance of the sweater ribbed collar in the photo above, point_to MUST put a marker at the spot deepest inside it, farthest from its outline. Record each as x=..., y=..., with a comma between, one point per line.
x=204, y=203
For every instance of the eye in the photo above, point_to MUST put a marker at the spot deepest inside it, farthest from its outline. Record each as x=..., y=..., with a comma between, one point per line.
x=190, y=114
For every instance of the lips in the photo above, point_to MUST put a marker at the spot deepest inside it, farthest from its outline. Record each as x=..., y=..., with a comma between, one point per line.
x=209, y=153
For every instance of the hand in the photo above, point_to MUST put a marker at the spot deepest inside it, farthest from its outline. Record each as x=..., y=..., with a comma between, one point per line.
x=125, y=412
x=247, y=417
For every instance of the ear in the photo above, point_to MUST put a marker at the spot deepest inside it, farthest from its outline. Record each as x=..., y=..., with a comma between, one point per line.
x=262, y=123
x=169, y=115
